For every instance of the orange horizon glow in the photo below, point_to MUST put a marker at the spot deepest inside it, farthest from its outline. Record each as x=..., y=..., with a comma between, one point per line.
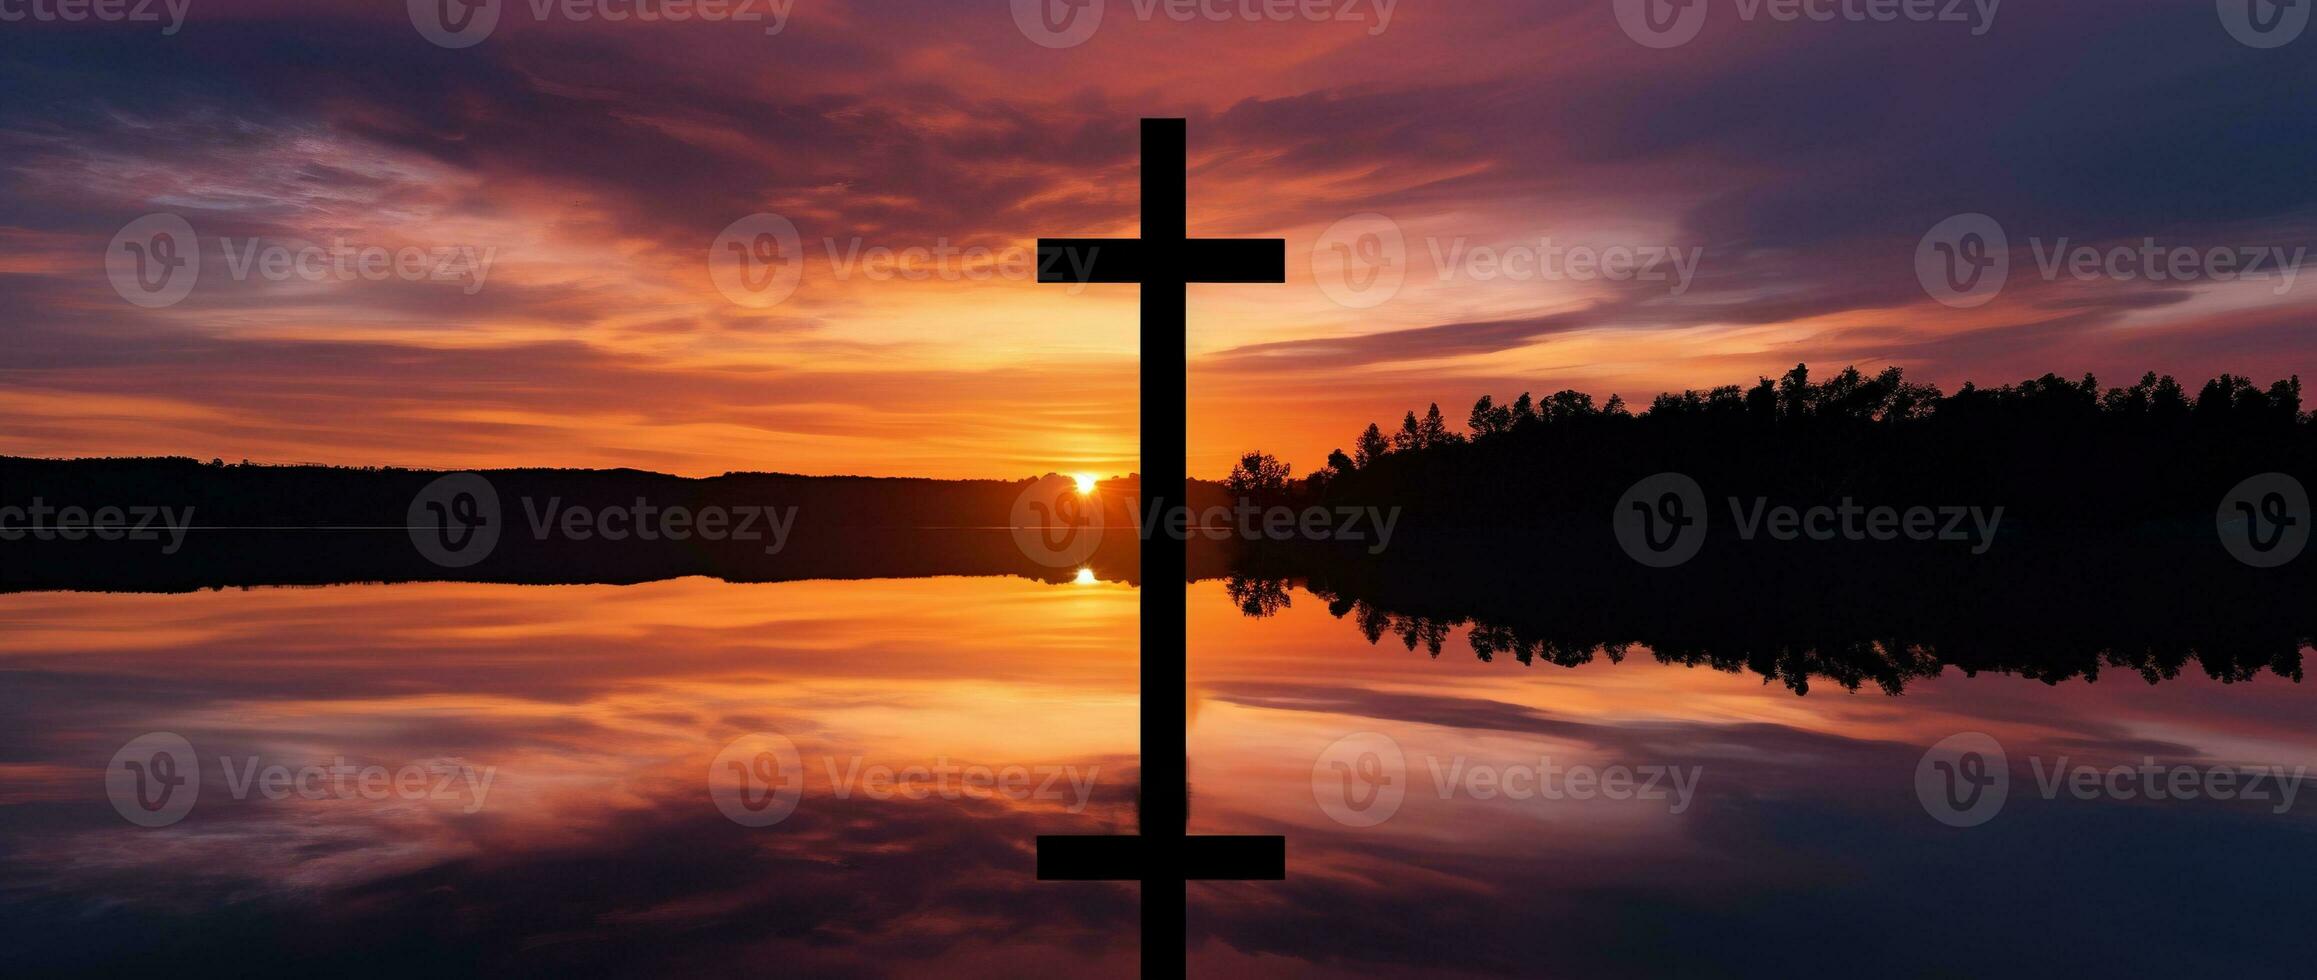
x=914, y=342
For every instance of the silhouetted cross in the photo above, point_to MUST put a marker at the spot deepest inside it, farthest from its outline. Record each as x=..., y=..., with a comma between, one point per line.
x=1164, y=857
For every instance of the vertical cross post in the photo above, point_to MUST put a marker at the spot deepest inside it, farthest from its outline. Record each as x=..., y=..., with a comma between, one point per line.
x=1163, y=260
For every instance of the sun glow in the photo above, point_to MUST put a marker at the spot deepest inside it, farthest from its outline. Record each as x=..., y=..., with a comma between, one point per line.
x=1086, y=482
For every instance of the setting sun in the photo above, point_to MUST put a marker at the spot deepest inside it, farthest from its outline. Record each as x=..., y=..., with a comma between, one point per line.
x=1085, y=482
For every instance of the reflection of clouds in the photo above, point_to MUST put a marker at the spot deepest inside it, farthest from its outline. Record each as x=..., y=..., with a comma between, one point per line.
x=1806, y=818
x=665, y=887
x=599, y=710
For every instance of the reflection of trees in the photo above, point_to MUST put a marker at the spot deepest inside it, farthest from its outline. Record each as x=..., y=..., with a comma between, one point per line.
x=1849, y=659
x=1258, y=598
x=2103, y=558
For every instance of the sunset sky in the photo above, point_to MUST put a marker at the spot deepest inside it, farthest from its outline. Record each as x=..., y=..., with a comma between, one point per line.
x=592, y=165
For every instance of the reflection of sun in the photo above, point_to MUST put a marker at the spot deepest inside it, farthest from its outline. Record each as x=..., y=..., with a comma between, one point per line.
x=1085, y=482
x=1085, y=577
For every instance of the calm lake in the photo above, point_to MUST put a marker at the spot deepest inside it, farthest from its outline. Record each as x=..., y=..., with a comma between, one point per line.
x=692, y=777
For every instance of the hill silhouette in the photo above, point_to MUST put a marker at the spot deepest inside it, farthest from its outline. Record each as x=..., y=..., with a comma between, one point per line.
x=309, y=525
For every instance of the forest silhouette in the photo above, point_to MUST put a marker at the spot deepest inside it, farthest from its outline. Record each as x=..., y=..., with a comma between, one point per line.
x=2054, y=452
x=1854, y=626
x=2107, y=546
x=2107, y=559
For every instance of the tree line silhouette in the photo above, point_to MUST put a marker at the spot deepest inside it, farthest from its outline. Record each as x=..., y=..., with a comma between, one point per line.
x=2107, y=558
x=1852, y=626
x=2054, y=451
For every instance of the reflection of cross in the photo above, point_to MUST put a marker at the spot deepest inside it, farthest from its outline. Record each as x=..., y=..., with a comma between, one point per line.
x=1163, y=856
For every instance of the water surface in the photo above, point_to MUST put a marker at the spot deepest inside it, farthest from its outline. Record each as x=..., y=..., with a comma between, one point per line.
x=1800, y=844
